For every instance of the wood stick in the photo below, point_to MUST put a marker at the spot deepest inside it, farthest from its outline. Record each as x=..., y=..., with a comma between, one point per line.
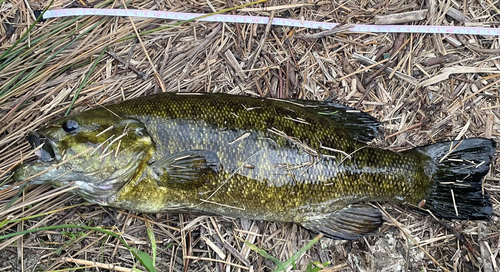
x=214, y=260
x=490, y=119
x=132, y=68
x=337, y=29
x=457, y=15
x=234, y=63
x=96, y=264
x=263, y=39
x=475, y=48
x=404, y=130
x=443, y=59
x=400, y=18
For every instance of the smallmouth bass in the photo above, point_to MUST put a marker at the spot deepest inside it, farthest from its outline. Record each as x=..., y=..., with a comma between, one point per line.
x=297, y=161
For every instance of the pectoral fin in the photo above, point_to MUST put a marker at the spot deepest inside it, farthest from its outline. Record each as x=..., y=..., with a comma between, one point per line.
x=350, y=223
x=185, y=170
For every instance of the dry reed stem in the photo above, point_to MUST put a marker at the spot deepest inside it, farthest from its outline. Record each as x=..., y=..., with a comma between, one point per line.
x=93, y=264
x=265, y=61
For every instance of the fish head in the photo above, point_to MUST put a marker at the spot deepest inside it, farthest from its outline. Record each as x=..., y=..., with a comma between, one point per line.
x=98, y=151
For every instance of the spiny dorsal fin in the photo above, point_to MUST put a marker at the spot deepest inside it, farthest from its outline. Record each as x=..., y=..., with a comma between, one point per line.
x=185, y=170
x=350, y=223
x=360, y=125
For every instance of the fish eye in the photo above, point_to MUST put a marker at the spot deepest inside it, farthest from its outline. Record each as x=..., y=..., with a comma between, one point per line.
x=70, y=125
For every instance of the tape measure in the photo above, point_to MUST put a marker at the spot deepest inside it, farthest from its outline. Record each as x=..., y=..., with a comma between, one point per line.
x=243, y=19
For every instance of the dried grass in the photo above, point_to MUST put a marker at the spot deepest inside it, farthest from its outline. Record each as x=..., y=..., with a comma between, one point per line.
x=278, y=62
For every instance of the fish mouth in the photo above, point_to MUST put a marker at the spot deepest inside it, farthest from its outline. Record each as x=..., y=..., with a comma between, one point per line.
x=46, y=152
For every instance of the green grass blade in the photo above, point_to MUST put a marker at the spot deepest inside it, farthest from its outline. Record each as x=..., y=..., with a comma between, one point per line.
x=264, y=254
x=24, y=52
x=27, y=31
x=63, y=24
x=13, y=57
x=146, y=260
x=40, y=214
x=58, y=27
x=21, y=189
x=301, y=251
x=291, y=261
x=85, y=80
x=140, y=255
x=30, y=75
x=151, y=235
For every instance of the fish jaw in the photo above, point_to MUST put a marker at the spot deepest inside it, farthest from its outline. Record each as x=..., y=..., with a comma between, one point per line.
x=96, y=152
x=90, y=186
x=45, y=148
x=36, y=172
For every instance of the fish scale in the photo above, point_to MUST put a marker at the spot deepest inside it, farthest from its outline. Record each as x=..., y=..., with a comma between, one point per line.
x=279, y=160
x=207, y=132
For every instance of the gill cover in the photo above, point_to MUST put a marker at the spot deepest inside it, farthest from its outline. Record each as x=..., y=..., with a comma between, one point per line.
x=97, y=150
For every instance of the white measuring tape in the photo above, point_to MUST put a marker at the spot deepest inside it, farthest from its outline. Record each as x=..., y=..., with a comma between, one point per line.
x=265, y=20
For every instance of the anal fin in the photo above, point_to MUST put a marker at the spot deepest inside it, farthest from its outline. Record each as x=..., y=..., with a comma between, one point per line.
x=350, y=223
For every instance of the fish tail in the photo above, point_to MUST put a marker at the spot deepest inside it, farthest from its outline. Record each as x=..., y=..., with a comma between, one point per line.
x=458, y=169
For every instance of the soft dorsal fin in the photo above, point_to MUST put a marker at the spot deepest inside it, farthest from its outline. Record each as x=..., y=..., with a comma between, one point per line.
x=350, y=223
x=185, y=170
x=360, y=125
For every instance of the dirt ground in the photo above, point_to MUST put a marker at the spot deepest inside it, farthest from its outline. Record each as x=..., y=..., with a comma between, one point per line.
x=93, y=61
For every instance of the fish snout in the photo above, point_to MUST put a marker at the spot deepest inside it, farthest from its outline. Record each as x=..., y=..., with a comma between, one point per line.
x=22, y=172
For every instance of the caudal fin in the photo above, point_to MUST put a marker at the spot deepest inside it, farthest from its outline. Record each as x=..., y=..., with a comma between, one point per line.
x=458, y=169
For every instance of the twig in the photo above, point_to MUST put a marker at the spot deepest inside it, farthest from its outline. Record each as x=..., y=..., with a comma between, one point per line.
x=235, y=253
x=400, y=18
x=368, y=79
x=488, y=131
x=156, y=75
x=403, y=130
x=276, y=7
x=10, y=31
x=122, y=61
x=262, y=40
x=364, y=69
x=234, y=63
x=443, y=59
x=446, y=72
x=476, y=48
x=396, y=47
x=389, y=70
x=166, y=56
x=337, y=29
x=195, y=52
x=457, y=15
x=131, y=52
x=381, y=52
x=217, y=261
x=91, y=264
x=411, y=238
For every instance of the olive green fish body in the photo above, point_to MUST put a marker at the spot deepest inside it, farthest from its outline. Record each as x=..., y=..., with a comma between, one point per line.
x=291, y=161
x=276, y=158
